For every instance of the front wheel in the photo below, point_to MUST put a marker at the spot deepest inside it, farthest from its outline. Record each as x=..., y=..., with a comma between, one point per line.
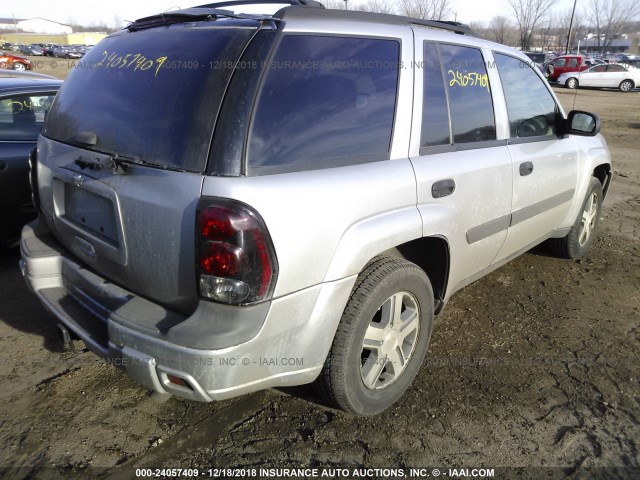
x=626, y=85
x=580, y=238
x=382, y=338
x=20, y=67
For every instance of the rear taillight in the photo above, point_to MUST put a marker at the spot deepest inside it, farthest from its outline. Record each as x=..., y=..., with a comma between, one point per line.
x=236, y=263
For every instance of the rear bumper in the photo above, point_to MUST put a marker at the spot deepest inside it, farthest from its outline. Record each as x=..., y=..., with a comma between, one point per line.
x=218, y=352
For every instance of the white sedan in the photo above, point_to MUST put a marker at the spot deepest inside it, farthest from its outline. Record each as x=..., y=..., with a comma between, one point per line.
x=612, y=75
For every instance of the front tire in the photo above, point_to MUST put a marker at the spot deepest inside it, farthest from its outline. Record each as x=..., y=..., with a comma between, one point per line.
x=572, y=83
x=382, y=338
x=582, y=234
x=626, y=85
x=20, y=67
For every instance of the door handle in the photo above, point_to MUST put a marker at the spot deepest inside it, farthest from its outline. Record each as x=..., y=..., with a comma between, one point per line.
x=526, y=168
x=443, y=188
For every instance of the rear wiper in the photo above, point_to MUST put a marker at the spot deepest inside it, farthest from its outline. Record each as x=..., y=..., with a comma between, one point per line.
x=120, y=163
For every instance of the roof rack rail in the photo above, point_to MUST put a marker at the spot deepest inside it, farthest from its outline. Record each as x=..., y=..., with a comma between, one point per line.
x=233, y=3
x=192, y=14
x=456, y=27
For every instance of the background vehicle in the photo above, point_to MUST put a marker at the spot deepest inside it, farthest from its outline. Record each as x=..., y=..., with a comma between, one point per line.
x=31, y=50
x=24, y=101
x=564, y=64
x=249, y=232
x=48, y=49
x=612, y=75
x=14, y=62
x=632, y=63
x=67, y=51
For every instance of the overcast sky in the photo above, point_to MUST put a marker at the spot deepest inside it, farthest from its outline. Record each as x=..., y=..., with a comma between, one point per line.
x=96, y=11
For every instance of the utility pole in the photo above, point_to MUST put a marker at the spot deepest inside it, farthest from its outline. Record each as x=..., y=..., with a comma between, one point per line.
x=346, y=4
x=566, y=50
x=15, y=25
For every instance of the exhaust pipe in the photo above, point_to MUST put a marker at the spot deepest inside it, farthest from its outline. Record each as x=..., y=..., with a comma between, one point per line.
x=70, y=340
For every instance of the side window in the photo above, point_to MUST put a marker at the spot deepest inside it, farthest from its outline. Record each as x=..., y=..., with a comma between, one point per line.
x=616, y=68
x=22, y=116
x=470, y=101
x=573, y=63
x=325, y=101
x=559, y=63
x=599, y=69
x=435, y=112
x=532, y=109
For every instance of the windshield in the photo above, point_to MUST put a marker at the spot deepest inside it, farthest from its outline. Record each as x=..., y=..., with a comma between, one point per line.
x=151, y=95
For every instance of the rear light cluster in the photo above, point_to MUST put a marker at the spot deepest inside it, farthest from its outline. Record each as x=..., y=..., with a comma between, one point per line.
x=236, y=261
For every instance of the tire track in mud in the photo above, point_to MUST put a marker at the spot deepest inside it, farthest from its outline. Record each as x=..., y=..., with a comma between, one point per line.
x=206, y=431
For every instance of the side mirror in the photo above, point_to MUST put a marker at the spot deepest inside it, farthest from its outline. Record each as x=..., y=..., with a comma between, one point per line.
x=581, y=123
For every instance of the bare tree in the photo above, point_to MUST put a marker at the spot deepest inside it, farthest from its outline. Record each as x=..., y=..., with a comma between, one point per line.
x=609, y=18
x=426, y=9
x=334, y=4
x=528, y=14
x=499, y=27
x=378, y=6
x=479, y=28
x=546, y=32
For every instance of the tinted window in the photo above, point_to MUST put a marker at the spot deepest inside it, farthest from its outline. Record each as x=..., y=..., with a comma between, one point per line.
x=573, y=62
x=531, y=108
x=22, y=116
x=598, y=69
x=151, y=94
x=616, y=68
x=325, y=101
x=559, y=63
x=435, y=113
x=470, y=101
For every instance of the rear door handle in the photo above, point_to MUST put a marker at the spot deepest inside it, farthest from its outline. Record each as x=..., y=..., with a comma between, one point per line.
x=443, y=188
x=526, y=168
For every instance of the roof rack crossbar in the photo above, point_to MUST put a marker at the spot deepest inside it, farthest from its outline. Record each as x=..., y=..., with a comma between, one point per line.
x=233, y=3
x=191, y=15
x=456, y=27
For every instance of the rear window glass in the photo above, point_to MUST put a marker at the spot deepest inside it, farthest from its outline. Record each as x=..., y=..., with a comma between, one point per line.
x=326, y=101
x=151, y=95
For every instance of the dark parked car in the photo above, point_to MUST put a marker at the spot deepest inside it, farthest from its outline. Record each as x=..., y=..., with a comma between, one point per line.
x=48, y=49
x=67, y=51
x=25, y=99
x=33, y=50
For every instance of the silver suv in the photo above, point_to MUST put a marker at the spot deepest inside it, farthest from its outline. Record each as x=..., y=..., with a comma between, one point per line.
x=236, y=201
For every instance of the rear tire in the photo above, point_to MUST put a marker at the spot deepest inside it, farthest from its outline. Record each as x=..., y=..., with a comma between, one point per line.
x=626, y=86
x=381, y=340
x=582, y=234
x=572, y=83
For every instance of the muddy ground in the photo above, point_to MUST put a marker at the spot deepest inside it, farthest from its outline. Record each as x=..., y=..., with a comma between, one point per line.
x=536, y=365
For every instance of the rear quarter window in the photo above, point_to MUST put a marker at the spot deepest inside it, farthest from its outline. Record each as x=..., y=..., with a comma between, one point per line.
x=325, y=101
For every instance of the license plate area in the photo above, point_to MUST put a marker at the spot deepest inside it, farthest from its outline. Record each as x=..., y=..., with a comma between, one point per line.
x=87, y=218
x=91, y=212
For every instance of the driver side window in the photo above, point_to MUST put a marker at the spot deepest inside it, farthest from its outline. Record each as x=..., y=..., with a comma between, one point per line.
x=531, y=108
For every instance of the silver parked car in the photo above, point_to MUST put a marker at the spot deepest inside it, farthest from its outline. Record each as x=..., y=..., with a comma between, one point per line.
x=285, y=198
x=611, y=75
